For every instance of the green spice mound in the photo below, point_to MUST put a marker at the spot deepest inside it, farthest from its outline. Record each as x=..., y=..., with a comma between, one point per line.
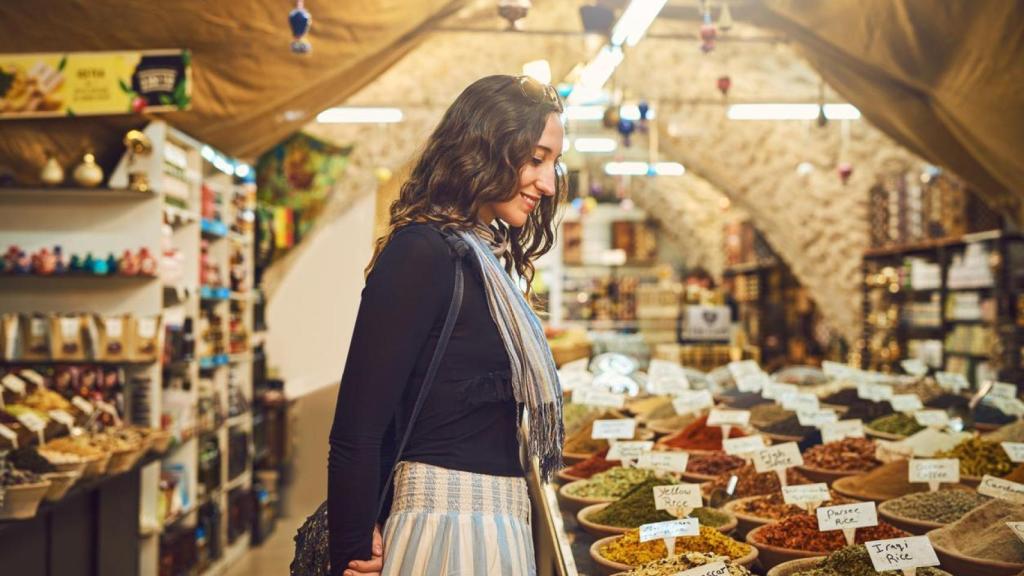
x=855, y=561
x=637, y=507
x=979, y=457
x=943, y=507
x=898, y=423
x=610, y=484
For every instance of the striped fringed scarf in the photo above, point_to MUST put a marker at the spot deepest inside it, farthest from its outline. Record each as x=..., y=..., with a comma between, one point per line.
x=534, y=375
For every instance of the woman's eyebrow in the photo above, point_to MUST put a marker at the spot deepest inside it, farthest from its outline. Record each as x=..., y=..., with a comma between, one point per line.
x=545, y=148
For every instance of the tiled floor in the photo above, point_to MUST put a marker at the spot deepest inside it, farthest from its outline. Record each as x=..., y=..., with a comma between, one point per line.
x=273, y=557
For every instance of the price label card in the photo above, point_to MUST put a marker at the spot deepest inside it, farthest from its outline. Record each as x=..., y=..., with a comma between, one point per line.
x=803, y=494
x=1009, y=406
x=9, y=434
x=753, y=382
x=778, y=457
x=69, y=327
x=914, y=367
x=874, y=392
x=934, y=418
x=1003, y=390
x=801, y=402
x=82, y=404
x=1018, y=529
x=598, y=398
x=32, y=377
x=669, y=529
x=729, y=418
x=614, y=429
x=575, y=379
x=693, y=401
x=31, y=421
x=62, y=417
x=658, y=367
x=108, y=408
x=901, y=553
x=906, y=402
x=859, y=515
x=835, y=369
x=710, y=569
x=629, y=449
x=743, y=368
x=952, y=381
x=677, y=497
x=114, y=327
x=1002, y=489
x=1015, y=450
x=776, y=390
x=671, y=462
x=14, y=384
x=836, y=431
x=744, y=445
x=935, y=470
x=817, y=418
x=580, y=365
x=669, y=386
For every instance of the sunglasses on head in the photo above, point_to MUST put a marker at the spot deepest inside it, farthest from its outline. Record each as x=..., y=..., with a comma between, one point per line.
x=538, y=92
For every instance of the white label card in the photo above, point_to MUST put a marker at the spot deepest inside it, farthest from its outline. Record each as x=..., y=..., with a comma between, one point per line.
x=669, y=386
x=935, y=418
x=1018, y=529
x=859, y=515
x=934, y=470
x=1009, y=406
x=82, y=404
x=952, y=381
x=629, y=450
x=14, y=384
x=693, y=401
x=33, y=377
x=9, y=434
x=614, y=429
x=744, y=445
x=806, y=494
x=600, y=398
x=31, y=421
x=874, y=392
x=743, y=368
x=62, y=417
x=914, y=367
x=753, y=382
x=1015, y=450
x=69, y=327
x=677, y=498
x=836, y=431
x=146, y=327
x=901, y=553
x=37, y=327
x=818, y=418
x=672, y=462
x=835, y=369
x=669, y=529
x=778, y=457
x=801, y=402
x=1002, y=489
x=906, y=402
x=710, y=569
x=729, y=418
x=114, y=327
x=776, y=390
x=1003, y=390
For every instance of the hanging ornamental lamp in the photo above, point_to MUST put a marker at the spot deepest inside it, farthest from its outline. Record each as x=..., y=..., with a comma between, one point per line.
x=300, y=21
x=725, y=19
x=724, y=83
x=513, y=11
x=626, y=128
x=845, y=169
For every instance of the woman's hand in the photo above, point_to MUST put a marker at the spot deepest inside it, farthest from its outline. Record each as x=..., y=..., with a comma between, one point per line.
x=375, y=564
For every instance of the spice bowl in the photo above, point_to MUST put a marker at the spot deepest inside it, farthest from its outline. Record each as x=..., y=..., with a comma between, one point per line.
x=772, y=556
x=780, y=438
x=825, y=475
x=60, y=483
x=745, y=522
x=606, y=567
x=883, y=435
x=96, y=466
x=602, y=530
x=573, y=503
x=576, y=457
x=564, y=477
x=956, y=563
x=912, y=525
x=794, y=566
x=22, y=501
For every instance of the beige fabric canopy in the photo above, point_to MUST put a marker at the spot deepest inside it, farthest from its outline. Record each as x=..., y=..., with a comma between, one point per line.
x=250, y=91
x=945, y=79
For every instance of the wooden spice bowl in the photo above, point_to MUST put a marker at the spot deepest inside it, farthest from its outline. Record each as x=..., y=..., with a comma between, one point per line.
x=573, y=503
x=883, y=435
x=745, y=522
x=957, y=563
x=21, y=502
x=60, y=483
x=844, y=486
x=780, y=438
x=793, y=566
x=825, y=475
x=606, y=567
x=912, y=525
x=772, y=556
x=576, y=457
x=602, y=530
x=96, y=466
x=565, y=477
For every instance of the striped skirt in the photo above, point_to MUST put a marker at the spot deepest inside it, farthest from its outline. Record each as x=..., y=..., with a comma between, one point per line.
x=451, y=523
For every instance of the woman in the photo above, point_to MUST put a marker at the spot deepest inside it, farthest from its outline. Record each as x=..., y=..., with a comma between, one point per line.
x=488, y=178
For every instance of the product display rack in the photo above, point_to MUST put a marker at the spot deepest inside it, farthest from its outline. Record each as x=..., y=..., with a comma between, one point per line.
x=972, y=323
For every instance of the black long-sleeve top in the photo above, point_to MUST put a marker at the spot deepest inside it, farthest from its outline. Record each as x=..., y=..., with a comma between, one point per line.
x=469, y=420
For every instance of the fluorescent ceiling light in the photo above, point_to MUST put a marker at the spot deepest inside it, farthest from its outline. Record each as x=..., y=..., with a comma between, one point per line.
x=584, y=112
x=632, y=112
x=635, y=20
x=643, y=169
x=356, y=115
x=242, y=170
x=600, y=69
x=539, y=70
x=791, y=112
x=595, y=144
x=669, y=169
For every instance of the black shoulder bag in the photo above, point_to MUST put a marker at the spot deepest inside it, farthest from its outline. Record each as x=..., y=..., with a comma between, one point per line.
x=312, y=554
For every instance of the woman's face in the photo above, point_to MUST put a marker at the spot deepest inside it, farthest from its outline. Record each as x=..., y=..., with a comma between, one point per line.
x=536, y=178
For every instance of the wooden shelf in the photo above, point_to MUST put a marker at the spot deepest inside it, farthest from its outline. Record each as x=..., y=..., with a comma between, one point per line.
x=75, y=281
x=72, y=194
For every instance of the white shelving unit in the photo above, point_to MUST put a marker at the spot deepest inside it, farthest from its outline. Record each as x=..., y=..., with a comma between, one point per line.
x=115, y=219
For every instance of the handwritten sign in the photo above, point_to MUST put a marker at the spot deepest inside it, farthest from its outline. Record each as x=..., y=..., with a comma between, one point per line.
x=1018, y=529
x=934, y=470
x=82, y=404
x=817, y=418
x=836, y=431
x=63, y=418
x=753, y=382
x=729, y=418
x=904, y=554
x=1003, y=390
x=778, y=457
x=952, y=381
x=671, y=462
x=669, y=529
x=33, y=377
x=906, y=402
x=31, y=421
x=874, y=392
x=710, y=569
x=803, y=494
x=776, y=390
x=932, y=418
x=1002, y=489
x=693, y=401
x=677, y=499
x=847, y=518
x=14, y=384
x=1008, y=406
x=743, y=445
x=11, y=436
x=914, y=367
x=668, y=386
x=801, y=401
x=596, y=397
x=614, y=429
x=1015, y=450
x=629, y=450
x=743, y=368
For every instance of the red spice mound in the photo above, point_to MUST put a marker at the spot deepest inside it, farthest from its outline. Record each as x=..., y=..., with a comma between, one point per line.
x=699, y=436
x=592, y=465
x=800, y=532
x=714, y=463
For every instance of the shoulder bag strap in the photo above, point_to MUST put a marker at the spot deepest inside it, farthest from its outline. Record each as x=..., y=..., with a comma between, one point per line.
x=428, y=380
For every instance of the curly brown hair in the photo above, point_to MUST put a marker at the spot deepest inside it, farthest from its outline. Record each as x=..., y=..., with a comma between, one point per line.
x=473, y=158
